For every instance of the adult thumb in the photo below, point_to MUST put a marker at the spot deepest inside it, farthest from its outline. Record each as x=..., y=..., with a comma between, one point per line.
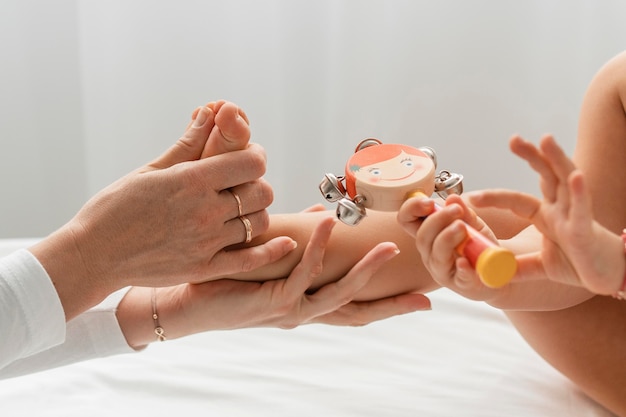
x=190, y=145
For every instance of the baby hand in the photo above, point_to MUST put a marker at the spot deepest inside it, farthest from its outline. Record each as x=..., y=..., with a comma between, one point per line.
x=437, y=234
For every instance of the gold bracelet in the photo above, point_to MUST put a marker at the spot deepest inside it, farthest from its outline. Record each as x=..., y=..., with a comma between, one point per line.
x=158, y=330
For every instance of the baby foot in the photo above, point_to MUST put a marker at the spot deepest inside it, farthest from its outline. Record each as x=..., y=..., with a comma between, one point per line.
x=231, y=131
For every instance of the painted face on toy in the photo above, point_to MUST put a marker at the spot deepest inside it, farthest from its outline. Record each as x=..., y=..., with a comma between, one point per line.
x=398, y=170
x=384, y=174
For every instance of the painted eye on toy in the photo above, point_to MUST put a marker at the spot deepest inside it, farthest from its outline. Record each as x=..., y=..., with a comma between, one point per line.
x=407, y=163
x=375, y=172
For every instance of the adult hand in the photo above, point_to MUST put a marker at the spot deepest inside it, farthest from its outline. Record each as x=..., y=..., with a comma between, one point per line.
x=283, y=303
x=166, y=223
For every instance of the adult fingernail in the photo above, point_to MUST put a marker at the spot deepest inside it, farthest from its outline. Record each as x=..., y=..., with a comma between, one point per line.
x=427, y=306
x=200, y=117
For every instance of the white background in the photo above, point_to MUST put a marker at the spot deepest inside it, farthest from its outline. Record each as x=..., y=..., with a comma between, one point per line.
x=92, y=90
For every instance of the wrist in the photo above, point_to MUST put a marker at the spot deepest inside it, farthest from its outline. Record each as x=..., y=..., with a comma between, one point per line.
x=136, y=315
x=77, y=286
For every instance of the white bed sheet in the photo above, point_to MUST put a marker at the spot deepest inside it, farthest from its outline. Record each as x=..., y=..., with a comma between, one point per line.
x=461, y=359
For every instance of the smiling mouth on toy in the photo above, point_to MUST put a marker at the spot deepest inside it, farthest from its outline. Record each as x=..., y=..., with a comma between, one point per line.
x=401, y=178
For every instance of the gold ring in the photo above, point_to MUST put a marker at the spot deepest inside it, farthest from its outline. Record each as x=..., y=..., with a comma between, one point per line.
x=248, y=226
x=239, y=205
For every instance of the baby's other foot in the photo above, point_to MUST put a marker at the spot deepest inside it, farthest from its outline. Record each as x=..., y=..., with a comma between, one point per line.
x=231, y=131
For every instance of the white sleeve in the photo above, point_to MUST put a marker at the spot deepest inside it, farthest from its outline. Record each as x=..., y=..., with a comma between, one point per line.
x=41, y=339
x=31, y=315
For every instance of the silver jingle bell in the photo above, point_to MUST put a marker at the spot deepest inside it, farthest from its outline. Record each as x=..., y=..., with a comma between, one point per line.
x=331, y=188
x=366, y=143
x=430, y=152
x=350, y=212
x=447, y=183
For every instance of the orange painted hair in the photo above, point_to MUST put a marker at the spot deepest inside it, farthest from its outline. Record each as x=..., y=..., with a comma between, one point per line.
x=372, y=155
x=379, y=153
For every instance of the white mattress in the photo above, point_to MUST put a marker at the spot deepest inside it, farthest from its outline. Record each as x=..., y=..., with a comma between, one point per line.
x=461, y=359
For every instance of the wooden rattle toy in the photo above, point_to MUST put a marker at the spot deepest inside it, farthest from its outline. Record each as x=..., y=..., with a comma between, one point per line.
x=382, y=176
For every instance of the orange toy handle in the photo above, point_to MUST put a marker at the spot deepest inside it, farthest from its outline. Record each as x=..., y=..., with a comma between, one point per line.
x=494, y=264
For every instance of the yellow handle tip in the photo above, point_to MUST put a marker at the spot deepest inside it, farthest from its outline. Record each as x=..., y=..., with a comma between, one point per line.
x=496, y=266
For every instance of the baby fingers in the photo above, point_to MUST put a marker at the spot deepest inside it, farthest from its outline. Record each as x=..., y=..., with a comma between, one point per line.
x=521, y=204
